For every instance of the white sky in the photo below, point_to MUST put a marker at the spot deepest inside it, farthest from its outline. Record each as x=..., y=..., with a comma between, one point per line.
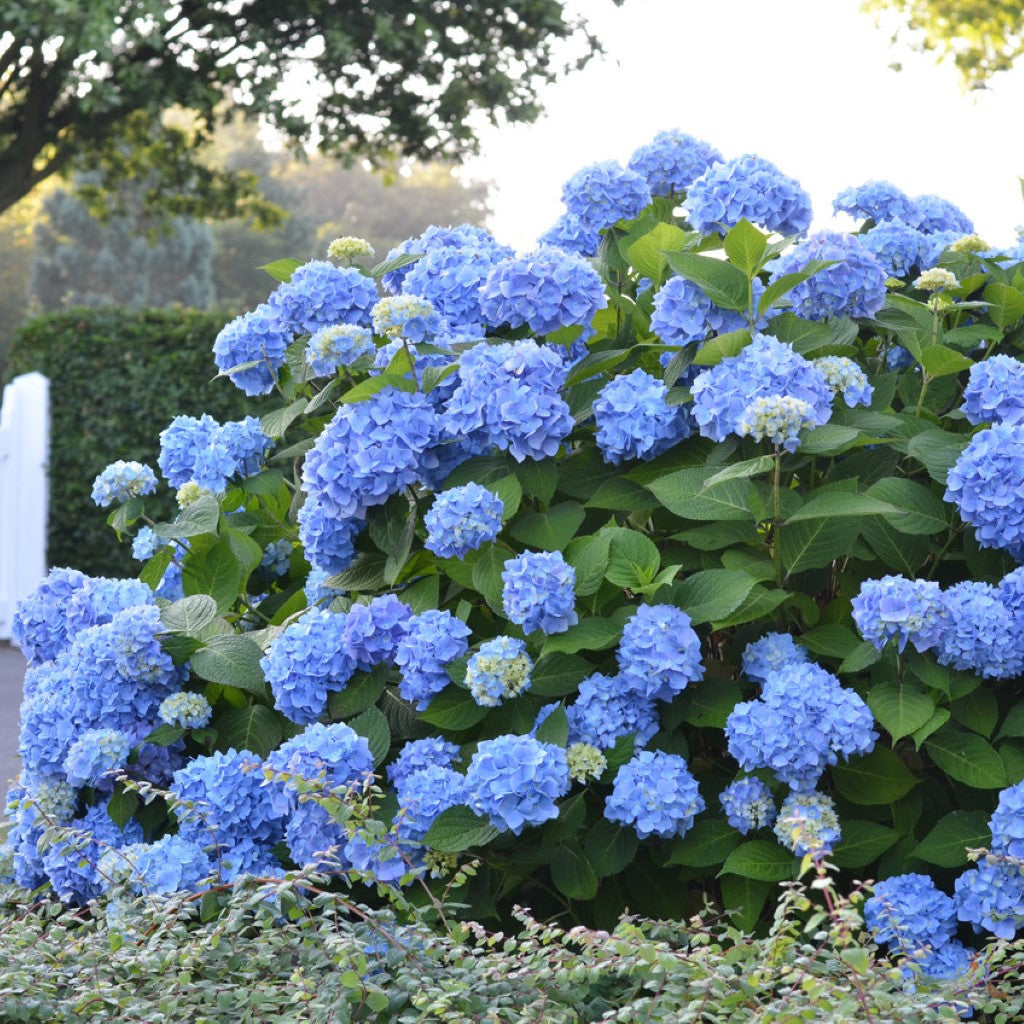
x=806, y=84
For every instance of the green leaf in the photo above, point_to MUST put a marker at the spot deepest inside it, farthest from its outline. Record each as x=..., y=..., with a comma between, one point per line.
x=712, y=594
x=610, y=848
x=125, y=515
x=232, y=660
x=189, y=615
x=900, y=708
x=572, y=874
x=255, y=728
x=266, y=483
x=457, y=829
x=877, y=778
x=722, y=346
x=708, y=843
x=814, y=543
x=395, y=263
x=723, y=283
x=968, y=758
x=863, y=656
x=937, y=451
x=1006, y=304
x=978, y=711
x=940, y=361
x=486, y=577
x=840, y=504
x=121, y=806
x=633, y=559
x=275, y=423
x=921, y=511
x=374, y=726
x=453, y=708
x=742, y=470
x=646, y=254
x=165, y=735
x=361, y=692
x=709, y=702
x=588, y=557
x=946, y=844
x=366, y=573
x=687, y=494
x=372, y=385
x=538, y=479
x=1013, y=723
x=744, y=898
x=202, y=516
x=397, y=556
x=587, y=635
x=282, y=269
x=556, y=675
x=760, y=860
x=555, y=728
x=862, y=843
x=829, y=439
x=745, y=246
x=153, y=571
x=785, y=283
x=594, y=364
x=214, y=570
x=551, y=530
x=940, y=716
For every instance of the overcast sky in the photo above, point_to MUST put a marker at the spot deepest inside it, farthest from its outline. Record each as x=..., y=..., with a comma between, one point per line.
x=805, y=83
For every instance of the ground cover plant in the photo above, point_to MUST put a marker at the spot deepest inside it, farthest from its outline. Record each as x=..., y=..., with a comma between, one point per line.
x=642, y=567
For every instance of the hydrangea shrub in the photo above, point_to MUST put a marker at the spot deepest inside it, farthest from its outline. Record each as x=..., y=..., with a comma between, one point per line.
x=640, y=566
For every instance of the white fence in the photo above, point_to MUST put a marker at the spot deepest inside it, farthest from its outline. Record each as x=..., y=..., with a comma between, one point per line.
x=24, y=490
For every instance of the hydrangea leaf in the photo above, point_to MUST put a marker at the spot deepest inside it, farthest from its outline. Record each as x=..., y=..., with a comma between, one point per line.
x=707, y=844
x=760, y=860
x=233, y=661
x=374, y=726
x=282, y=269
x=458, y=829
x=571, y=872
x=551, y=530
x=745, y=246
x=725, y=285
x=254, y=728
x=189, y=614
x=202, y=516
x=609, y=848
x=947, y=843
x=876, y=778
x=862, y=843
x=968, y=758
x=712, y=594
x=899, y=708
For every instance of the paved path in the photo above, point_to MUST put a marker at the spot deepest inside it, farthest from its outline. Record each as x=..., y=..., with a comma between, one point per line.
x=12, y=670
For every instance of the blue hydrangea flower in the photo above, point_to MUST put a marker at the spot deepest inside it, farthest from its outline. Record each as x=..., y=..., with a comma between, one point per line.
x=807, y=823
x=845, y=377
x=853, y=286
x=898, y=247
x=451, y=279
x=369, y=451
x=607, y=708
x=604, y=193
x=546, y=290
x=1011, y=592
x=407, y=317
x=659, y=654
x=316, y=588
x=319, y=294
x=175, y=863
x=777, y=418
x=423, y=795
x=305, y=662
x=72, y=864
x=258, y=337
x=655, y=793
x=95, y=754
x=995, y=391
x=571, y=234
x=498, y=671
x=509, y=397
x=277, y=557
x=329, y=755
x=909, y=913
x=121, y=481
x=185, y=710
x=39, y=626
x=991, y=896
x=933, y=214
x=181, y=444
x=371, y=632
x=633, y=419
x=684, y=313
x=772, y=653
x=421, y=360
x=748, y=804
x=210, y=453
x=538, y=592
x=222, y=802
x=894, y=607
x=978, y=633
x=246, y=443
x=766, y=367
x=461, y=519
x=328, y=540
x=747, y=187
x=432, y=641
x=419, y=754
x=146, y=544
x=987, y=485
x=672, y=161
x=806, y=701
x=333, y=348
x=515, y=781
x=875, y=200
x=1007, y=822
x=461, y=236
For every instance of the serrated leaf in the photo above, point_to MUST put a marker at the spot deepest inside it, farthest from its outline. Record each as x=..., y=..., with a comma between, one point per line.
x=189, y=615
x=165, y=735
x=551, y=530
x=708, y=843
x=282, y=269
x=202, y=516
x=722, y=346
x=276, y=422
x=761, y=861
x=572, y=874
x=947, y=843
x=232, y=660
x=814, y=543
x=610, y=848
x=556, y=675
x=255, y=728
x=919, y=509
x=633, y=559
x=594, y=634
x=487, y=570
x=453, y=708
x=687, y=494
x=588, y=557
x=862, y=843
x=395, y=263
x=374, y=727
x=358, y=694
x=968, y=758
x=745, y=246
x=876, y=778
x=712, y=594
x=723, y=283
x=457, y=829
x=373, y=385
x=900, y=708
x=555, y=728
x=937, y=451
x=646, y=254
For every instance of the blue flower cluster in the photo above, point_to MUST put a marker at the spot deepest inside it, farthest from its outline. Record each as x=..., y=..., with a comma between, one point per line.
x=40, y=626
x=256, y=343
x=461, y=519
x=807, y=824
x=683, y=312
x=987, y=485
x=935, y=215
x=94, y=756
x=979, y=633
x=853, y=286
x=748, y=804
x=777, y=418
x=995, y=391
x=408, y=317
x=175, y=863
x=772, y=653
x=509, y=397
x=747, y=187
x=515, y=781
x=845, y=377
x=328, y=539
x=895, y=608
x=991, y=897
x=432, y=641
x=373, y=631
x=423, y=795
x=186, y=710
x=571, y=234
x=604, y=193
x=462, y=236
x=334, y=348
x=765, y=368
x=672, y=161
x=659, y=654
x=608, y=708
x=545, y=290
x=633, y=419
x=899, y=248
x=209, y=453
x=499, y=670
x=538, y=592
x=319, y=294
x=655, y=793
x=369, y=451
x=419, y=754
x=806, y=701
x=451, y=280
x=121, y=481
x=875, y=200
x=1007, y=822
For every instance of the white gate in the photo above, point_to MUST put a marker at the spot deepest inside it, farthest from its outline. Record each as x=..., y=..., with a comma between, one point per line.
x=24, y=490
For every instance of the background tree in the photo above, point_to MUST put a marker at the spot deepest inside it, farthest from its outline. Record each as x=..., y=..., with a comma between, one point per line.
x=88, y=85
x=982, y=36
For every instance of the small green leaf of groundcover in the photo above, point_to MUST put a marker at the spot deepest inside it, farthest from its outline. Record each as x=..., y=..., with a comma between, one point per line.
x=947, y=843
x=760, y=860
x=458, y=829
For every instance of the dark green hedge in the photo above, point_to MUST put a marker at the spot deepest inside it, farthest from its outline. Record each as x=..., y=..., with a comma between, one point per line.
x=117, y=378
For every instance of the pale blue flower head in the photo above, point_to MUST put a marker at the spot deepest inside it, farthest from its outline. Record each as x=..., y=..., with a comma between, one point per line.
x=672, y=161
x=655, y=793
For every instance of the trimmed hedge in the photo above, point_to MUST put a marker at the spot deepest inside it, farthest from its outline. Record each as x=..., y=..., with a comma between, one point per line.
x=117, y=378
